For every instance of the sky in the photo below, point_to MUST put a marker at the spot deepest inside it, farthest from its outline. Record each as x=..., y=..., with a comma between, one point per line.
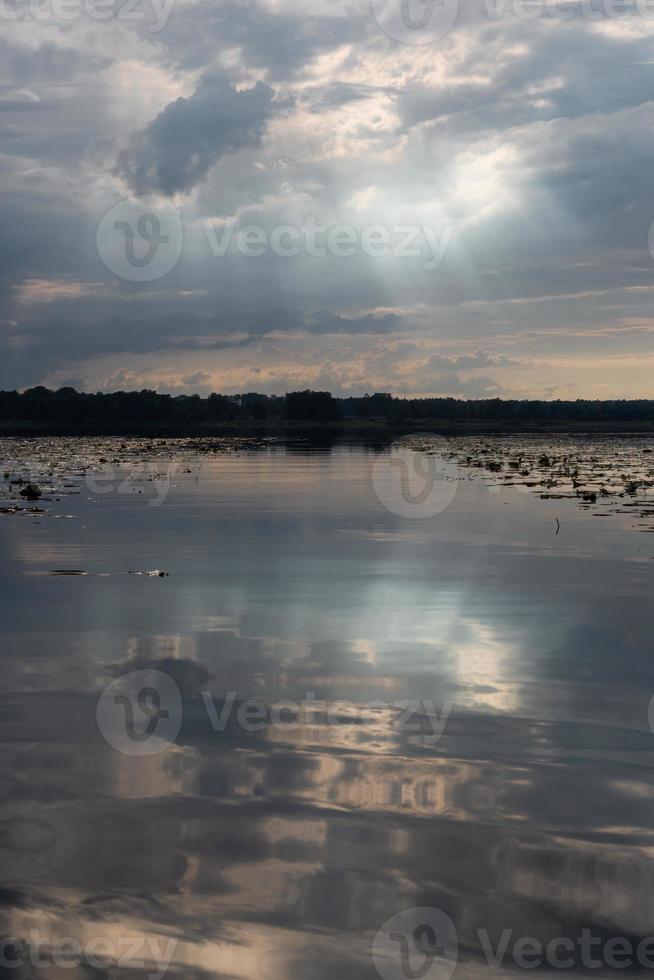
x=427, y=197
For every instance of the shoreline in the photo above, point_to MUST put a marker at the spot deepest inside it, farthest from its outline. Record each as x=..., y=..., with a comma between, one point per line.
x=362, y=428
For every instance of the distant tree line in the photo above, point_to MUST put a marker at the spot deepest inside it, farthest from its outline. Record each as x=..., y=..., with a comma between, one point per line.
x=68, y=406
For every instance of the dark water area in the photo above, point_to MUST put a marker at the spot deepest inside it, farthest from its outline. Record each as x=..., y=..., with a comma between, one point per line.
x=260, y=699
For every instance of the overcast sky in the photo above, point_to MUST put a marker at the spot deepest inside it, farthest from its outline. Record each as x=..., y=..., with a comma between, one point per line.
x=493, y=177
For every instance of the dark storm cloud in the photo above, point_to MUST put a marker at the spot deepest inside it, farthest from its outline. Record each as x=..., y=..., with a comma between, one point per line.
x=43, y=235
x=59, y=327
x=190, y=135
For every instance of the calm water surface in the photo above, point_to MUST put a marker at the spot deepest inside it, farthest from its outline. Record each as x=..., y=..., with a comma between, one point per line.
x=518, y=794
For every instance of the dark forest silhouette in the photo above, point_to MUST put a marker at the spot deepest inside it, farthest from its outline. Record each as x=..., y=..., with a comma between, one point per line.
x=68, y=407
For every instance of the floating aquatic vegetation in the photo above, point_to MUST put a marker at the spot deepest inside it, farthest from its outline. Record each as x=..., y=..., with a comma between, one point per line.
x=156, y=573
x=611, y=471
x=31, y=492
x=51, y=468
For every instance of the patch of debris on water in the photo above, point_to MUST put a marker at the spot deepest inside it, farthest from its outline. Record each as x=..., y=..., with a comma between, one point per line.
x=155, y=573
x=606, y=475
x=48, y=469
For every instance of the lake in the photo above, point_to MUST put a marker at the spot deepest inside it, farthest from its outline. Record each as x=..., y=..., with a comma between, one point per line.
x=282, y=711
